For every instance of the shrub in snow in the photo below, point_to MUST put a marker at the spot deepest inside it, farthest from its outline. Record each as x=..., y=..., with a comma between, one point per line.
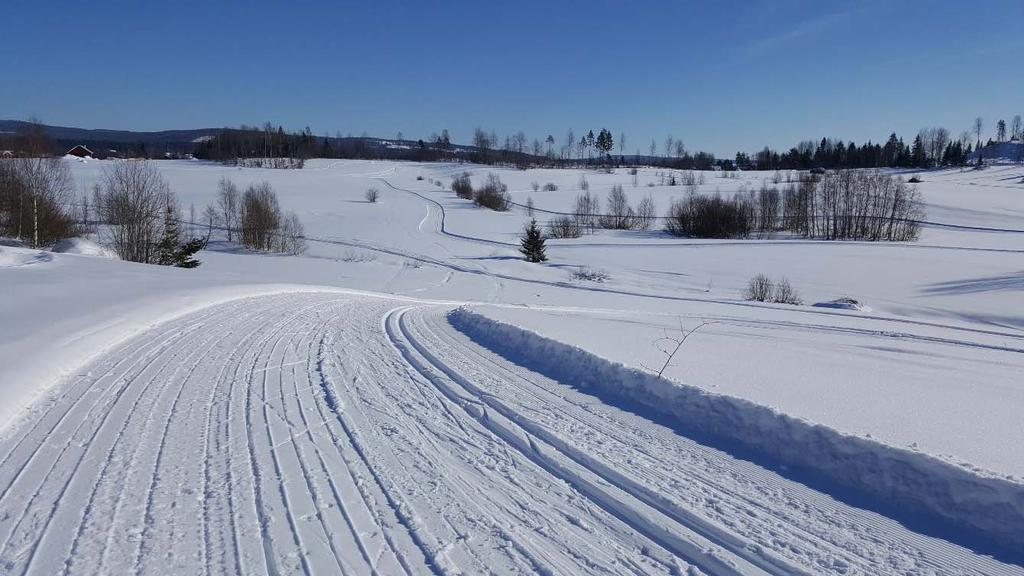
x=785, y=294
x=462, y=186
x=564, y=227
x=418, y=178
x=762, y=289
x=493, y=194
x=759, y=289
x=371, y=195
x=351, y=255
x=710, y=217
x=588, y=274
x=619, y=215
x=914, y=180
x=550, y=187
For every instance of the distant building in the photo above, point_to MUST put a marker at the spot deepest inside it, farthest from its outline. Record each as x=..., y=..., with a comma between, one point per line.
x=80, y=151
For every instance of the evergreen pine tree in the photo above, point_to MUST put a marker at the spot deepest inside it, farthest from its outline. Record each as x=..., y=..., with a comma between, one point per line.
x=170, y=252
x=532, y=241
x=183, y=257
x=167, y=248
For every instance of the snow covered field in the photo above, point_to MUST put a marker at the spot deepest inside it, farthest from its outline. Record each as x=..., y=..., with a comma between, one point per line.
x=337, y=420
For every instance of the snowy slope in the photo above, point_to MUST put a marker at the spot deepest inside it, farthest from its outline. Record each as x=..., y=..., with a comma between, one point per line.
x=930, y=366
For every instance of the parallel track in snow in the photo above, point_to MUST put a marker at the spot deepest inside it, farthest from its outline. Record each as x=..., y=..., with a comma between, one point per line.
x=342, y=434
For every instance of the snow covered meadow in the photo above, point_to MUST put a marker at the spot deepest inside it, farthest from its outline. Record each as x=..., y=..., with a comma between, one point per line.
x=882, y=437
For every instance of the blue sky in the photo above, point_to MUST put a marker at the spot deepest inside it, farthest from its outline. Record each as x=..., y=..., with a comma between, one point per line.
x=721, y=76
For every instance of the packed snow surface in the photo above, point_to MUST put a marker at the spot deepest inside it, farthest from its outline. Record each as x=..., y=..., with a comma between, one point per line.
x=322, y=413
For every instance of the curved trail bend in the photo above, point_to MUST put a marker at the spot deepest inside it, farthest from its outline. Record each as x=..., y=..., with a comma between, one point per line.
x=343, y=434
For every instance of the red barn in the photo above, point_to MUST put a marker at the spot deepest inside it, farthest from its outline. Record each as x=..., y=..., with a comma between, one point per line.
x=80, y=151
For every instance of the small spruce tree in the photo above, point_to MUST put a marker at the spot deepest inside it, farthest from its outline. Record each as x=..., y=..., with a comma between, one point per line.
x=183, y=257
x=167, y=248
x=170, y=251
x=532, y=241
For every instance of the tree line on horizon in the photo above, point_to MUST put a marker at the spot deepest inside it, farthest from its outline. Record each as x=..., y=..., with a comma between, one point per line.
x=931, y=147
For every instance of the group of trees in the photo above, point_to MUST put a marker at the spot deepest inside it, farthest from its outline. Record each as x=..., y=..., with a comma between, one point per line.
x=838, y=205
x=35, y=191
x=931, y=147
x=140, y=216
x=254, y=218
x=493, y=193
x=35, y=200
x=250, y=142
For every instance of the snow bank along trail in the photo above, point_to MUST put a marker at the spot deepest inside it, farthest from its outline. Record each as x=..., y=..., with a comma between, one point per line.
x=331, y=433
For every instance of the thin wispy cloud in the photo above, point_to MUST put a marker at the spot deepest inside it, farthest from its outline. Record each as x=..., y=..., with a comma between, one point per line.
x=804, y=29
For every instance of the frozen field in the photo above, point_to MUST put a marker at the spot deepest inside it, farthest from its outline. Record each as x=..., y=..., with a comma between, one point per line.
x=339, y=418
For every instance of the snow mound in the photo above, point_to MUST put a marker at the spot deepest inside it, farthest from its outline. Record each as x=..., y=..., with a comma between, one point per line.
x=82, y=247
x=987, y=506
x=84, y=160
x=18, y=257
x=844, y=303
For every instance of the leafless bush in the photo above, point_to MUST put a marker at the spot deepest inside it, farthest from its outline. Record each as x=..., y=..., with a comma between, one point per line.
x=276, y=163
x=759, y=289
x=586, y=210
x=351, y=255
x=261, y=217
x=291, y=238
x=550, y=187
x=763, y=289
x=371, y=195
x=535, y=186
x=708, y=217
x=785, y=294
x=619, y=215
x=646, y=213
x=584, y=185
x=462, y=186
x=228, y=200
x=133, y=199
x=588, y=274
x=493, y=194
x=563, y=227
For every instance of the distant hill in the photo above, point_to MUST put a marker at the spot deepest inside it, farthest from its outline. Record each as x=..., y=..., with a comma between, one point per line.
x=104, y=142
x=84, y=135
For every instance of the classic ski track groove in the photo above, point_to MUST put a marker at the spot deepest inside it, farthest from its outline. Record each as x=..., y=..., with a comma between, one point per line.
x=326, y=433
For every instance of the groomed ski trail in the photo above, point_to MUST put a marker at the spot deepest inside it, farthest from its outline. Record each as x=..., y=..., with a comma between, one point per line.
x=346, y=434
